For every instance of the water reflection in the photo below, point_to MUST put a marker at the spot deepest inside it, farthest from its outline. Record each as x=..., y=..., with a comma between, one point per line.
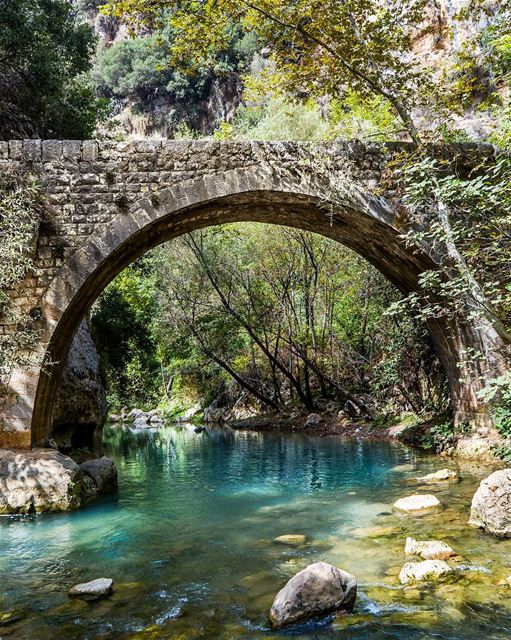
x=188, y=542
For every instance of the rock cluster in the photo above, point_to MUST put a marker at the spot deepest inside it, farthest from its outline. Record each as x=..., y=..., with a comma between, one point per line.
x=140, y=419
x=46, y=480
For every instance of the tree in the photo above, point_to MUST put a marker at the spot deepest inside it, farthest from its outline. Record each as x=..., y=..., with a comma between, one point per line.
x=318, y=46
x=44, y=58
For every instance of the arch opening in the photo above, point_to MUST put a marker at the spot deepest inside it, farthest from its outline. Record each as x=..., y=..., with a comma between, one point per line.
x=78, y=285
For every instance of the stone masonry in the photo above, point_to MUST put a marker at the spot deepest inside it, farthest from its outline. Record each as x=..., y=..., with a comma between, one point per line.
x=106, y=203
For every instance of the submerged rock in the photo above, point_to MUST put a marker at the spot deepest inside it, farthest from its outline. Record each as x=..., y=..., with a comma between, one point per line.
x=93, y=590
x=424, y=571
x=428, y=549
x=46, y=480
x=318, y=589
x=291, y=539
x=442, y=475
x=417, y=503
x=376, y=532
x=491, y=504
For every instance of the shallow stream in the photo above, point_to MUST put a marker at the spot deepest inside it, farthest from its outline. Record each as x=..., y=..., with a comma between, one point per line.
x=188, y=541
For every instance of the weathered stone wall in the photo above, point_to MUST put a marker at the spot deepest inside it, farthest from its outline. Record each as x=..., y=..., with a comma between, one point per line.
x=107, y=203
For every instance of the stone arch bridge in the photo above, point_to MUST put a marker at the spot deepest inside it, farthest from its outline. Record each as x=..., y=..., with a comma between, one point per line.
x=107, y=203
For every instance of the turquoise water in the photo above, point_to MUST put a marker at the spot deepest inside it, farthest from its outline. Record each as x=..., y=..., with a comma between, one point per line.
x=188, y=542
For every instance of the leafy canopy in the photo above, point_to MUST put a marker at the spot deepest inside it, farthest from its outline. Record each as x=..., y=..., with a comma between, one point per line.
x=44, y=56
x=318, y=46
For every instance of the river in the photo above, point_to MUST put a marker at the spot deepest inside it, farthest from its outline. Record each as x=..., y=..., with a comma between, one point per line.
x=188, y=541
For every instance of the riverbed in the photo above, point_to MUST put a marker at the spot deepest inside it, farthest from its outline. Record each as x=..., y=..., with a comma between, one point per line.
x=188, y=541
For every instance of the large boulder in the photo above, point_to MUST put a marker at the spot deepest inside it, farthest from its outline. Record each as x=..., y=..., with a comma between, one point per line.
x=80, y=407
x=38, y=480
x=46, y=480
x=316, y=590
x=491, y=504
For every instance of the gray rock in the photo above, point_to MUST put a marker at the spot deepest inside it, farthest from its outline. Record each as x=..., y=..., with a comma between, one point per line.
x=103, y=472
x=316, y=590
x=46, y=480
x=442, y=475
x=313, y=419
x=93, y=590
x=491, y=504
x=80, y=407
x=134, y=415
x=38, y=480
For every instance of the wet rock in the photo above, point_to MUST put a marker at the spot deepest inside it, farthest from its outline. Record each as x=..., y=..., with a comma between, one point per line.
x=313, y=419
x=93, y=590
x=428, y=549
x=424, y=571
x=442, y=475
x=291, y=540
x=103, y=473
x=418, y=503
x=506, y=582
x=155, y=416
x=317, y=590
x=491, y=504
x=376, y=532
x=9, y=617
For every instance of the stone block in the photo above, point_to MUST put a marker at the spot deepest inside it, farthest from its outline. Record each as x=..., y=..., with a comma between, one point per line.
x=51, y=150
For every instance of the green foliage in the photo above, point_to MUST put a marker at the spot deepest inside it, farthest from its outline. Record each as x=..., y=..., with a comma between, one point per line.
x=121, y=322
x=279, y=118
x=368, y=47
x=19, y=220
x=138, y=69
x=498, y=394
x=468, y=219
x=44, y=58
